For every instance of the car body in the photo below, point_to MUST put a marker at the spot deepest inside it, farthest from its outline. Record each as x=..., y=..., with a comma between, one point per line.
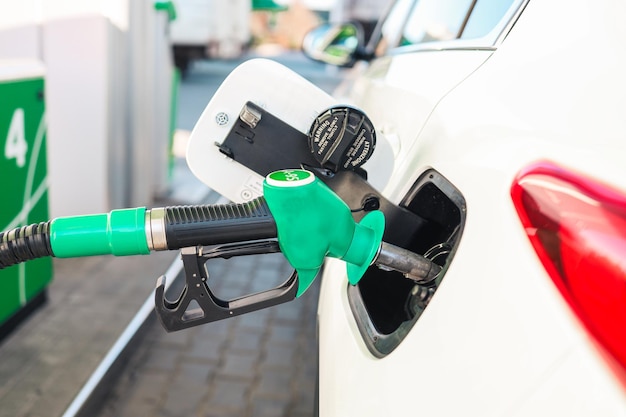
x=499, y=139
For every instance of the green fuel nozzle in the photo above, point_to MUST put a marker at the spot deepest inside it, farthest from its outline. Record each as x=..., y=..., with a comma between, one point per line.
x=298, y=215
x=313, y=223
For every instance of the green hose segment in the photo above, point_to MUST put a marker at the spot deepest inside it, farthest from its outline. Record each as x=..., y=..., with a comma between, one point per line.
x=313, y=222
x=120, y=232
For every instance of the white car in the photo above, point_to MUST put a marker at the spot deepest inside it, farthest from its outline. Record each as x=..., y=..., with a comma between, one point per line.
x=507, y=123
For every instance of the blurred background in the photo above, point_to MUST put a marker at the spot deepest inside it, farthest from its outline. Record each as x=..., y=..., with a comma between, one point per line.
x=97, y=100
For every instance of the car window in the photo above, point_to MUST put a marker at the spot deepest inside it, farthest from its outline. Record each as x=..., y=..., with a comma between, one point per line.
x=485, y=16
x=393, y=24
x=435, y=20
x=414, y=22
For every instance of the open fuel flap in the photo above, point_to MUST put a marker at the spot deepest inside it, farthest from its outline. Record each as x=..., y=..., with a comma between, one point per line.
x=384, y=303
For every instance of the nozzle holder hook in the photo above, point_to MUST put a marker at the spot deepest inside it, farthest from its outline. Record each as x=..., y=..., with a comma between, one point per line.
x=176, y=315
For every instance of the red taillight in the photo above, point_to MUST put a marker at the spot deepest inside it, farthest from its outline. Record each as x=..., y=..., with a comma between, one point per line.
x=578, y=228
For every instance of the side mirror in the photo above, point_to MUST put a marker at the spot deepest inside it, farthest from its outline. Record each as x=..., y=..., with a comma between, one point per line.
x=339, y=45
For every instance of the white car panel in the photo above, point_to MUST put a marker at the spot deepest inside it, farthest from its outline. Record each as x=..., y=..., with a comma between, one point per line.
x=400, y=93
x=497, y=339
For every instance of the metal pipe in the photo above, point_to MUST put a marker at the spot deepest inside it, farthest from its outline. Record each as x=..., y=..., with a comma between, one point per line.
x=413, y=266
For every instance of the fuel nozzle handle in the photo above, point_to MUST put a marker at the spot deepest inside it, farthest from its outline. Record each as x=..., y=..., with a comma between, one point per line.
x=186, y=226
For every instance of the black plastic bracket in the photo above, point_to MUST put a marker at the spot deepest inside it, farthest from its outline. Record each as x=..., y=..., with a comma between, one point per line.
x=176, y=315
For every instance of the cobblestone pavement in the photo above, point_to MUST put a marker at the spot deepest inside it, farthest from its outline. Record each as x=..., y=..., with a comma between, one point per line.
x=259, y=364
x=46, y=361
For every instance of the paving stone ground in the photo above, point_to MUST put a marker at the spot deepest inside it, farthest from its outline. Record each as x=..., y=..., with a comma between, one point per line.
x=259, y=364
x=46, y=361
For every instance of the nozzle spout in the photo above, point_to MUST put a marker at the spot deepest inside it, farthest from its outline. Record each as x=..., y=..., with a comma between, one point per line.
x=413, y=266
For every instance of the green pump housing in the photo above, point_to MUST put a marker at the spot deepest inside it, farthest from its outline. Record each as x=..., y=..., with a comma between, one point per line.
x=313, y=222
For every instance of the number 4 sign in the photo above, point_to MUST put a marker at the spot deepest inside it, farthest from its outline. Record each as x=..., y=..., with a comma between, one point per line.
x=15, y=146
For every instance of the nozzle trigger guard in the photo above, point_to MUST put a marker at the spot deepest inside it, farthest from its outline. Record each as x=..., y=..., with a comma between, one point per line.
x=176, y=315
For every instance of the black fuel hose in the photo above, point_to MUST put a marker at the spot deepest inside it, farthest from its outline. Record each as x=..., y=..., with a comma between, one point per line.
x=25, y=243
